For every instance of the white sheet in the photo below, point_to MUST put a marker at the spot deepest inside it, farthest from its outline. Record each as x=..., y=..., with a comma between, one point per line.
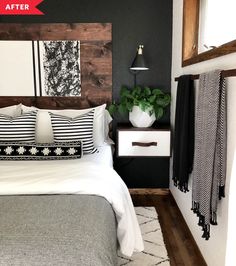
x=76, y=177
x=104, y=156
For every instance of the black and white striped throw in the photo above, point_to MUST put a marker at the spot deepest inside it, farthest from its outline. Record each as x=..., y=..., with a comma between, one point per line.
x=79, y=128
x=19, y=128
x=209, y=169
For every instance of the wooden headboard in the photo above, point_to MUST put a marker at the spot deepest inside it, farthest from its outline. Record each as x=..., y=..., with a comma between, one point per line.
x=50, y=102
x=95, y=57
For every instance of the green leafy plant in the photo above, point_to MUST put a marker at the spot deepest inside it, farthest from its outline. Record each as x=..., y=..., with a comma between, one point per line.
x=149, y=100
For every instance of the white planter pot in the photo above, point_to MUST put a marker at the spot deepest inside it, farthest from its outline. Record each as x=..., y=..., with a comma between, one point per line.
x=138, y=118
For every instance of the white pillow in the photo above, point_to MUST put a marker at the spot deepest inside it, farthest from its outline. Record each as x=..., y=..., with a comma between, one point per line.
x=43, y=128
x=13, y=110
x=44, y=132
x=107, y=121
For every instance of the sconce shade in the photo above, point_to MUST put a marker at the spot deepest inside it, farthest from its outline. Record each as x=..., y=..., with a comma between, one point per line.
x=139, y=61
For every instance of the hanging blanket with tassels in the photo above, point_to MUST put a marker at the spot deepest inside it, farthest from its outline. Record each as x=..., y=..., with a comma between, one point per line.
x=184, y=133
x=209, y=169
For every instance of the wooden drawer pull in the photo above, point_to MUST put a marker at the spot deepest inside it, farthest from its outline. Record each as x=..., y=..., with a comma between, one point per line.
x=144, y=144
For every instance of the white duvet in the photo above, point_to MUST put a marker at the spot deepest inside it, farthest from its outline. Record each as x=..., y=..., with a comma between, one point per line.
x=75, y=177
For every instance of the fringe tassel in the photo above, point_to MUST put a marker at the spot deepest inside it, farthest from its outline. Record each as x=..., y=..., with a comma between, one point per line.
x=221, y=192
x=181, y=186
x=213, y=218
x=195, y=207
x=175, y=181
x=201, y=222
x=206, y=231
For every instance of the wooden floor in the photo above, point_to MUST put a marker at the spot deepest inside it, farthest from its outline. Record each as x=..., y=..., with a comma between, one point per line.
x=181, y=247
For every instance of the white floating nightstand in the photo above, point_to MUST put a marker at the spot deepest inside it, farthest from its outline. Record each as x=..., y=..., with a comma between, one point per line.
x=143, y=142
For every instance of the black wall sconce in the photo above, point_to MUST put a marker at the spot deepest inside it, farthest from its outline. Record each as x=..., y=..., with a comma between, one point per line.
x=138, y=64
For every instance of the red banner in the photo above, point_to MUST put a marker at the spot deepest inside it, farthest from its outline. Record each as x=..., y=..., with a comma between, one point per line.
x=20, y=7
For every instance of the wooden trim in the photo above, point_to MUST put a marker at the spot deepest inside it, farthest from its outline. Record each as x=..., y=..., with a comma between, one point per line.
x=149, y=191
x=224, y=49
x=190, y=29
x=225, y=74
x=190, y=55
x=129, y=127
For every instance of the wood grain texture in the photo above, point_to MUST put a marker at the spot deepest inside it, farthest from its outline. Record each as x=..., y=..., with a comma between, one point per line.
x=96, y=49
x=149, y=191
x=45, y=102
x=180, y=244
x=95, y=56
x=224, y=49
x=224, y=73
x=190, y=29
x=56, y=31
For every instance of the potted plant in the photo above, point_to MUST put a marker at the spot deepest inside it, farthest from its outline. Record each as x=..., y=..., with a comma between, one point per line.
x=144, y=105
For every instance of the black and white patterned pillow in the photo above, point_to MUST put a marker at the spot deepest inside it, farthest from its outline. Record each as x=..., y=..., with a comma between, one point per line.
x=72, y=129
x=19, y=128
x=41, y=151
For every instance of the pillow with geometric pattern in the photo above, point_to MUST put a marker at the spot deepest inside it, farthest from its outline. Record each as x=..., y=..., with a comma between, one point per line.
x=40, y=151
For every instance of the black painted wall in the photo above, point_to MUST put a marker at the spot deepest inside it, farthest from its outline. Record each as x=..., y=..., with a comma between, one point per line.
x=134, y=22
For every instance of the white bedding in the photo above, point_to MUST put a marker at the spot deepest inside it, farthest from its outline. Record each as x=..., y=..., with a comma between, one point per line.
x=79, y=176
x=104, y=156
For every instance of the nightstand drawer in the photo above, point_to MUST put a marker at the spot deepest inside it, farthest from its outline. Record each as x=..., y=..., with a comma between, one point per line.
x=143, y=143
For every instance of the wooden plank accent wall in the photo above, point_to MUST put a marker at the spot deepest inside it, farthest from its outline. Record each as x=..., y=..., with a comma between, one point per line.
x=46, y=102
x=56, y=31
x=95, y=54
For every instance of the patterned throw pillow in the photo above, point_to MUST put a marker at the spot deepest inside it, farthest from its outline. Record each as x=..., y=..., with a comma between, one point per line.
x=52, y=151
x=19, y=128
x=79, y=128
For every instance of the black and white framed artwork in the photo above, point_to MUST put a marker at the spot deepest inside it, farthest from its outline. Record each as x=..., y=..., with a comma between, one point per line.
x=59, y=63
x=40, y=68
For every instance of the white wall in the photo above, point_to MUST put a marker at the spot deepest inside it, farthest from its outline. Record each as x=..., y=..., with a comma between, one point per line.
x=213, y=250
x=230, y=248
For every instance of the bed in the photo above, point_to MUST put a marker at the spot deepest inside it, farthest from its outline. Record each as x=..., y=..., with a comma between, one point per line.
x=69, y=211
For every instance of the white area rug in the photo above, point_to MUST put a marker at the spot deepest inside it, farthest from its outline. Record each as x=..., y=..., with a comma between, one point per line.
x=155, y=252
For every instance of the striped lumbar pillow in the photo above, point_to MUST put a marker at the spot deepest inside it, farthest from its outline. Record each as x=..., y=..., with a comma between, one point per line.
x=19, y=128
x=79, y=128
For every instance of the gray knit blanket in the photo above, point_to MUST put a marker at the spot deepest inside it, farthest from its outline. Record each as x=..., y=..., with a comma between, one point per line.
x=209, y=168
x=57, y=230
